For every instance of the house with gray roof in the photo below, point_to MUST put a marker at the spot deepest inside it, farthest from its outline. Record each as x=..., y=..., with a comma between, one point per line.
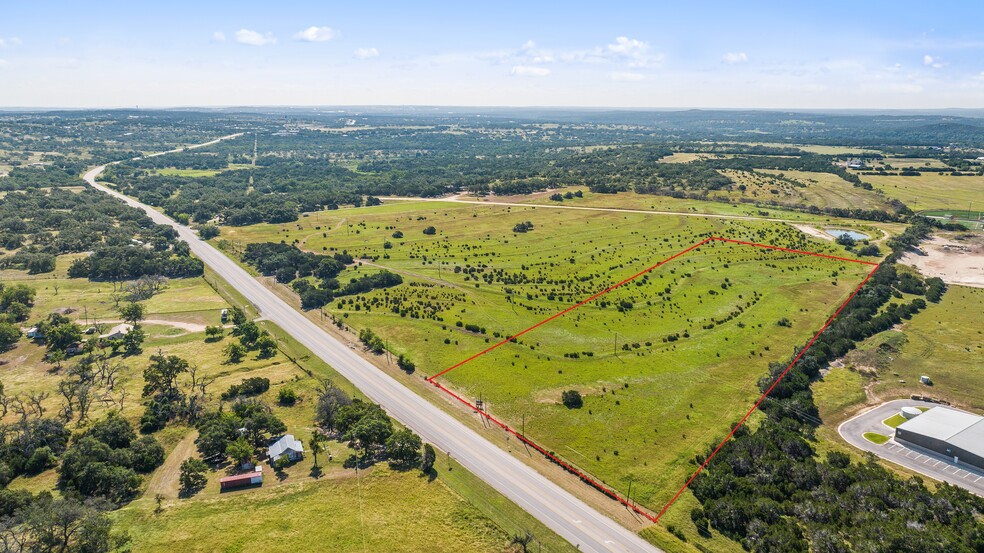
x=286, y=445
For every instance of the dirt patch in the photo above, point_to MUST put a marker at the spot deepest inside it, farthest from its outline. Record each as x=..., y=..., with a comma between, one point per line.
x=813, y=231
x=166, y=480
x=956, y=262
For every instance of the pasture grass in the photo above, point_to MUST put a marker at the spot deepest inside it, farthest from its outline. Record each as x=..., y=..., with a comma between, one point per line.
x=931, y=190
x=946, y=342
x=648, y=408
x=381, y=510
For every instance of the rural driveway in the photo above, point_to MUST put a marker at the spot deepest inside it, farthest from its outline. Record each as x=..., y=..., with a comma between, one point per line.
x=927, y=463
x=555, y=507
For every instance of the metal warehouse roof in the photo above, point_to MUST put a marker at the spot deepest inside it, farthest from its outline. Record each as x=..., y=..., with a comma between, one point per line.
x=942, y=423
x=970, y=439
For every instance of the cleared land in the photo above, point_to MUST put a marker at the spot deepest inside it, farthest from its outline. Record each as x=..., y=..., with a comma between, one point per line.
x=931, y=190
x=803, y=188
x=637, y=422
x=955, y=261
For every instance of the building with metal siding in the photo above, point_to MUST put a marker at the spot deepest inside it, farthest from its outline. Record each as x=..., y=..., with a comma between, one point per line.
x=956, y=434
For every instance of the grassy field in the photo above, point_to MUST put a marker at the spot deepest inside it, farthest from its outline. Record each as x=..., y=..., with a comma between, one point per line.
x=726, y=206
x=808, y=188
x=637, y=422
x=931, y=190
x=944, y=342
x=380, y=510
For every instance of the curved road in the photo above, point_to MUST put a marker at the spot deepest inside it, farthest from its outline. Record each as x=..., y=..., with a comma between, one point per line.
x=558, y=509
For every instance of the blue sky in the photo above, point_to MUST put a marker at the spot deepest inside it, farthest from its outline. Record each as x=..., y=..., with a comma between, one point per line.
x=732, y=54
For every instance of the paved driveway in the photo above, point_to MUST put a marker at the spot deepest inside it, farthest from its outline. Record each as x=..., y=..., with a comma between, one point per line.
x=923, y=461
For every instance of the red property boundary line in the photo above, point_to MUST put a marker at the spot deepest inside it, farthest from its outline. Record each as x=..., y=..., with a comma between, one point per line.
x=595, y=483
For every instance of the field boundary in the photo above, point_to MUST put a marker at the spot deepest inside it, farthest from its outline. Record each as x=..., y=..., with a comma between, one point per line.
x=582, y=475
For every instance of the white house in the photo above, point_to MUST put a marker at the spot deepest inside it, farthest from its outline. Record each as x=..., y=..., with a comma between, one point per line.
x=33, y=333
x=286, y=445
x=117, y=332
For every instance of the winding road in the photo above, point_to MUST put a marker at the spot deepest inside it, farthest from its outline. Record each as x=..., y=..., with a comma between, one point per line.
x=558, y=509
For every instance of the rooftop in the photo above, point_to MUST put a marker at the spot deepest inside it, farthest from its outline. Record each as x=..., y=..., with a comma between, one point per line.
x=942, y=423
x=285, y=442
x=971, y=438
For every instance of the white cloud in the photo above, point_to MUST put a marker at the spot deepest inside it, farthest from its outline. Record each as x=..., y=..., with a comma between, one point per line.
x=316, y=34
x=529, y=71
x=11, y=41
x=627, y=76
x=635, y=51
x=366, y=53
x=933, y=62
x=627, y=46
x=3, y=62
x=735, y=57
x=253, y=38
x=218, y=36
x=529, y=45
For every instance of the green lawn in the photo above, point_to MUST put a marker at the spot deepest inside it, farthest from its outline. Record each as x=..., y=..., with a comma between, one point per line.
x=894, y=420
x=875, y=438
x=648, y=408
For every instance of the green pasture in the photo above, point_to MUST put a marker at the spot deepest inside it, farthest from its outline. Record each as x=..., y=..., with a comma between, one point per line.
x=648, y=408
x=932, y=190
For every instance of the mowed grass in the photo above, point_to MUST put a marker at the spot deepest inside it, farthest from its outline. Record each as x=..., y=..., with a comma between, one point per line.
x=876, y=438
x=379, y=511
x=647, y=409
x=932, y=190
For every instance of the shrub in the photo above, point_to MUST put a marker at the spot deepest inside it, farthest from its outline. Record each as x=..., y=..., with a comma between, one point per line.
x=250, y=387
x=287, y=396
x=572, y=399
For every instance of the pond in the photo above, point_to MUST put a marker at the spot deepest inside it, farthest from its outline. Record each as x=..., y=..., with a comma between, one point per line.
x=837, y=233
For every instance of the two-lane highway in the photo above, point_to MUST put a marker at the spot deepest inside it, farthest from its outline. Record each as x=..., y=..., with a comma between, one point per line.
x=558, y=509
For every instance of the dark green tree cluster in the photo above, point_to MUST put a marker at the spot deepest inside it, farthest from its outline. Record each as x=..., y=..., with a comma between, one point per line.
x=107, y=460
x=248, y=418
x=15, y=307
x=252, y=386
x=44, y=524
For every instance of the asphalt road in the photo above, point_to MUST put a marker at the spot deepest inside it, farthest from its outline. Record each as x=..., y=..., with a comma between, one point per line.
x=923, y=461
x=558, y=509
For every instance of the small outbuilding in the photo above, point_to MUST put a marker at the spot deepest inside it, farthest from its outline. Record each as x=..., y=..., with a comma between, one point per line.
x=242, y=480
x=286, y=445
x=33, y=333
x=117, y=332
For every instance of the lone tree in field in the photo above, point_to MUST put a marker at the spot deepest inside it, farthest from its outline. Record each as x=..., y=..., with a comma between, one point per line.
x=430, y=231
x=316, y=446
x=428, y=459
x=193, y=476
x=132, y=313
x=572, y=399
